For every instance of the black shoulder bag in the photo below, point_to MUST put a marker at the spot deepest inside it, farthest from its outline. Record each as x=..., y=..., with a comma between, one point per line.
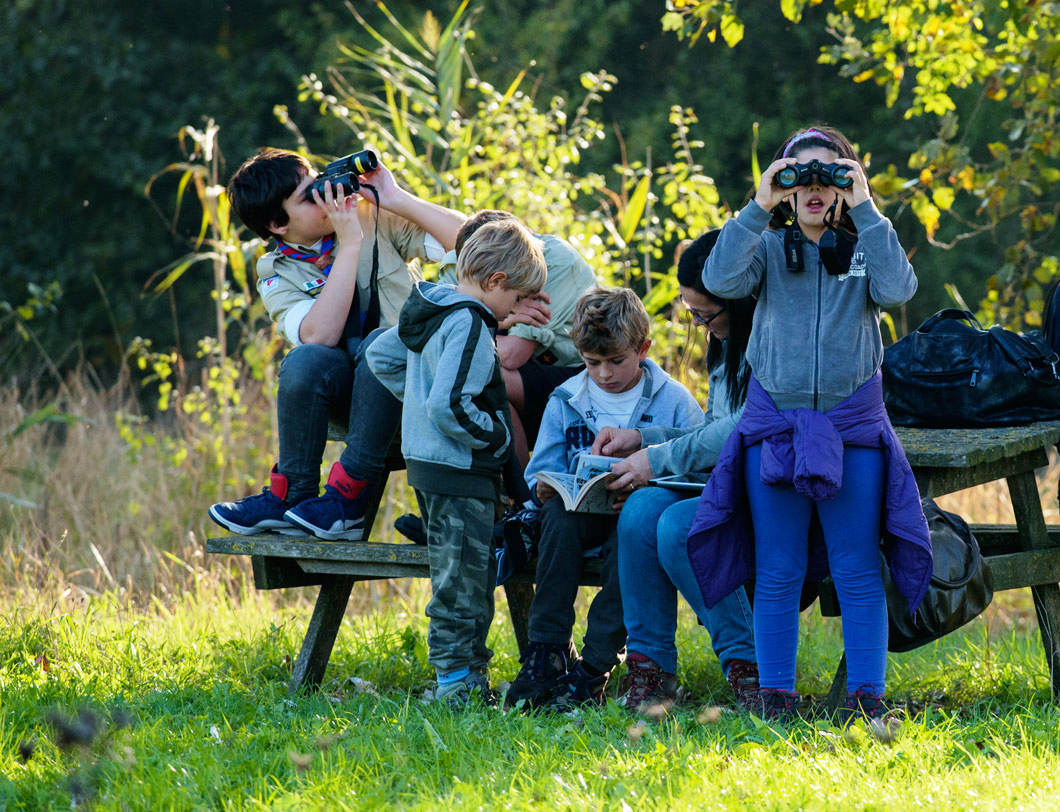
x=951, y=373
x=961, y=585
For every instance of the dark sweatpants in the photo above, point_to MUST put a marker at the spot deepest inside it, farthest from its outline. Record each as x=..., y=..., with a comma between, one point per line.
x=564, y=536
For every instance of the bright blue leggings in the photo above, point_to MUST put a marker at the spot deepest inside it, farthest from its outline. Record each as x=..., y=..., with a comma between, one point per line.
x=851, y=523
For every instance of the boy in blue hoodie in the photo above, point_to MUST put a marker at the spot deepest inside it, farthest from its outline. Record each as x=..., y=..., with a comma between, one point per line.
x=441, y=360
x=621, y=388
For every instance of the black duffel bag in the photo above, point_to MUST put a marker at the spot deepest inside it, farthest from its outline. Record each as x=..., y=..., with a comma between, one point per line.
x=961, y=585
x=951, y=373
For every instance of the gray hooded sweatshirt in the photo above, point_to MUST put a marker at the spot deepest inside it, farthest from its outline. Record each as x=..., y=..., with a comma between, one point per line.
x=441, y=361
x=816, y=337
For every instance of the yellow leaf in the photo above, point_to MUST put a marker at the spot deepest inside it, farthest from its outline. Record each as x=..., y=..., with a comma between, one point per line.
x=925, y=176
x=927, y=213
x=965, y=178
x=731, y=29
x=865, y=75
x=635, y=210
x=943, y=198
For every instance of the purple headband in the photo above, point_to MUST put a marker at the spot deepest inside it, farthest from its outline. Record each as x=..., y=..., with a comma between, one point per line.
x=810, y=133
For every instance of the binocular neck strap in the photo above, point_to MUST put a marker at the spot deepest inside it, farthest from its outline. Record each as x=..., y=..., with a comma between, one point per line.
x=793, y=248
x=371, y=315
x=829, y=216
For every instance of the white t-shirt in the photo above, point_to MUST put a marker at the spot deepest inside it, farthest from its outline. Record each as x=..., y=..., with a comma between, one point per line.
x=613, y=409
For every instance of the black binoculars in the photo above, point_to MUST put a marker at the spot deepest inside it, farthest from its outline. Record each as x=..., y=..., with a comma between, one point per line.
x=344, y=172
x=803, y=175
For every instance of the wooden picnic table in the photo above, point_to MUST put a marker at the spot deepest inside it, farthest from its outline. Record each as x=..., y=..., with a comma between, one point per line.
x=1026, y=554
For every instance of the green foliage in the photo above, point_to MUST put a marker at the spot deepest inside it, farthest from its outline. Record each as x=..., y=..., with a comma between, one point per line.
x=470, y=145
x=986, y=73
x=90, y=97
x=213, y=409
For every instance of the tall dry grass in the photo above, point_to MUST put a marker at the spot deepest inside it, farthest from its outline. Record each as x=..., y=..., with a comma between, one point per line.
x=85, y=510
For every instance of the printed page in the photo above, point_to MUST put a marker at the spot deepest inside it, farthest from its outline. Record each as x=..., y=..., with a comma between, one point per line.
x=565, y=484
x=596, y=498
x=589, y=465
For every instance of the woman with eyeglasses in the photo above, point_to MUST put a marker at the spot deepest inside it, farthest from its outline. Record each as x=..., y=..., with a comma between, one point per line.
x=653, y=527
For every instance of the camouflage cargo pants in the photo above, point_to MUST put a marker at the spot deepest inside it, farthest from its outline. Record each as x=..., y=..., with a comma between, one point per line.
x=463, y=577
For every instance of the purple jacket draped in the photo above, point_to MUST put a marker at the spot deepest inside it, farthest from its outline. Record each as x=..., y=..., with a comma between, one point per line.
x=804, y=448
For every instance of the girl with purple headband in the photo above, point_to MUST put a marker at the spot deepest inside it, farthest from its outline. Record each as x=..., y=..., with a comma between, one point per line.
x=813, y=476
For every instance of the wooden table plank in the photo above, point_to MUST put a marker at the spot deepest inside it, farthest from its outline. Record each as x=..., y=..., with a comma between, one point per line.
x=965, y=448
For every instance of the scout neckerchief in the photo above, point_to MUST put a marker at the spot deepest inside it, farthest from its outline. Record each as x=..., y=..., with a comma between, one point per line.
x=368, y=319
x=321, y=260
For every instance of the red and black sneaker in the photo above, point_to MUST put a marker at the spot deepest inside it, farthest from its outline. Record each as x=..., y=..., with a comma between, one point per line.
x=743, y=677
x=865, y=703
x=778, y=705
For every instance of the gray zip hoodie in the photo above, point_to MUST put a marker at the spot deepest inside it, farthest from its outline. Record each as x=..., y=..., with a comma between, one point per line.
x=816, y=337
x=684, y=450
x=441, y=360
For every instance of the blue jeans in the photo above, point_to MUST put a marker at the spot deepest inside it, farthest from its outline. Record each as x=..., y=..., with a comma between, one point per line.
x=653, y=567
x=851, y=523
x=318, y=384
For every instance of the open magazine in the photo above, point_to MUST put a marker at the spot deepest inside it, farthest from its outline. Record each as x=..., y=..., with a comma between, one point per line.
x=584, y=491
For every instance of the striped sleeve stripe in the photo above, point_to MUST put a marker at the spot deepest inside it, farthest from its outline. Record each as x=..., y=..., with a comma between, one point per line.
x=467, y=358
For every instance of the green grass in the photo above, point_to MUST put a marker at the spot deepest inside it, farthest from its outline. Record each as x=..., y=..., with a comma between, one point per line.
x=191, y=708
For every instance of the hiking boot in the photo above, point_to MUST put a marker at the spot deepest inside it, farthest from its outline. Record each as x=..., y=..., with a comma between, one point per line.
x=647, y=689
x=577, y=688
x=458, y=695
x=338, y=515
x=544, y=667
x=864, y=703
x=743, y=677
x=777, y=705
x=261, y=513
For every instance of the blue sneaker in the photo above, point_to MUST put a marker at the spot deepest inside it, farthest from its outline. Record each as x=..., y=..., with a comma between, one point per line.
x=338, y=515
x=261, y=513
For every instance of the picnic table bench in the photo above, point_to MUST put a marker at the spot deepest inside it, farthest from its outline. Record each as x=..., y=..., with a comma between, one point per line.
x=1025, y=554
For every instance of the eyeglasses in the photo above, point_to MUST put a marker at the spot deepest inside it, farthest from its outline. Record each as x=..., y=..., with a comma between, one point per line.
x=699, y=318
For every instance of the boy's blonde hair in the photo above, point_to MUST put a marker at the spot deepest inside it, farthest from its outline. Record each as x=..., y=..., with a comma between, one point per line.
x=507, y=246
x=609, y=321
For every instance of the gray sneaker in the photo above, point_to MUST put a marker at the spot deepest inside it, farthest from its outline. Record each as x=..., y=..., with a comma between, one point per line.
x=458, y=695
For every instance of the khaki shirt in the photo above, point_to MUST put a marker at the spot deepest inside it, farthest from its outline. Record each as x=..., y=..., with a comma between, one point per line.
x=569, y=276
x=288, y=287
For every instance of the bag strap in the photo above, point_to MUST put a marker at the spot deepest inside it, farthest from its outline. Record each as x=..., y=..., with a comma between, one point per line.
x=1030, y=354
x=950, y=313
x=976, y=562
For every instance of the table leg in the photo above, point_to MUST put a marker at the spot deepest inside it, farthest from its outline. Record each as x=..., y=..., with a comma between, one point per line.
x=1027, y=507
x=520, y=594
x=837, y=694
x=320, y=636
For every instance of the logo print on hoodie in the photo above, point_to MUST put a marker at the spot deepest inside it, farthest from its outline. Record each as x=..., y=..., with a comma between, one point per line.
x=858, y=266
x=578, y=437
